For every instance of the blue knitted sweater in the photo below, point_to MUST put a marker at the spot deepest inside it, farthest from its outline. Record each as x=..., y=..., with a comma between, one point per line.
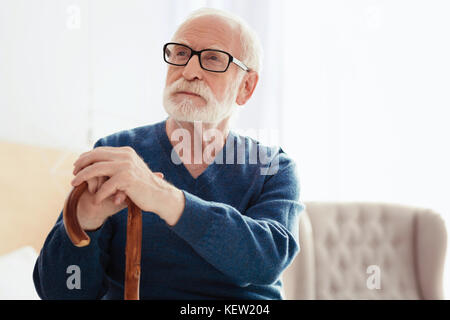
x=237, y=233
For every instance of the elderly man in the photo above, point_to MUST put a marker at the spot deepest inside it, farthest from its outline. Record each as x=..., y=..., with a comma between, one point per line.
x=214, y=226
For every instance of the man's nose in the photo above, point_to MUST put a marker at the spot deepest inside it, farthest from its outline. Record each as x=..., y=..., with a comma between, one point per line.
x=193, y=70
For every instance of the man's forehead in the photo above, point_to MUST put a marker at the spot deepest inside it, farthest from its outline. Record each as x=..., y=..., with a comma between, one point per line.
x=207, y=33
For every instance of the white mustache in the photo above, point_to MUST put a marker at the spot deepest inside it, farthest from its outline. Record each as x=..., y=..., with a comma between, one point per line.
x=196, y=87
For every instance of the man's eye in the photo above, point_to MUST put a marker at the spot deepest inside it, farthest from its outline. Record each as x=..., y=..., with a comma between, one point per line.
x=181, y=53
x=214, y=58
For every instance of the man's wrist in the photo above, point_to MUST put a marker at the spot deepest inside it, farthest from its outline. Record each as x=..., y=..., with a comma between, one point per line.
x=92, y=225
x=171, y=205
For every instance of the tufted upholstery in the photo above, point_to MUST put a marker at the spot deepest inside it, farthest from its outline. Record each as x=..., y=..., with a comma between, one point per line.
x=341, y=241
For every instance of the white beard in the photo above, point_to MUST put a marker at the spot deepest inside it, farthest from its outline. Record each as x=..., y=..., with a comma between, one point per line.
x=187, y=110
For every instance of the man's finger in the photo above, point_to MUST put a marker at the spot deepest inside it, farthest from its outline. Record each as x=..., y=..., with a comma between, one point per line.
x=108, y=189
x=92, y=185
x=98, y=169
x=120, y=197
x=101, y=181
x=96, y=155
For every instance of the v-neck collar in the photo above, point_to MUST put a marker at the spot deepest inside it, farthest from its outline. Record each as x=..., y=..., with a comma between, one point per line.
x=208, y=175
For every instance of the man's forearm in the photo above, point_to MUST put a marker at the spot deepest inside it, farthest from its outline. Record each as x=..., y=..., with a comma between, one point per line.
x=253, y=247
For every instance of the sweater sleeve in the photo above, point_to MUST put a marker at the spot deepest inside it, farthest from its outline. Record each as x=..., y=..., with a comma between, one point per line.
x=64, y=271
x=61, y=265
x=251, y=247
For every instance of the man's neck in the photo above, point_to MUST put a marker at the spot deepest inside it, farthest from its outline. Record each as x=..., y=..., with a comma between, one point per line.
x=205, y=138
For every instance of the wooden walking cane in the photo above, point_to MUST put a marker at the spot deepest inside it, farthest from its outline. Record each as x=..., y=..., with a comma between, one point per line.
x=133, y=243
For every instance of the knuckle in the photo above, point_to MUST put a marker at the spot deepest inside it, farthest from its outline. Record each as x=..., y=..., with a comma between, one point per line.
x=129, y=150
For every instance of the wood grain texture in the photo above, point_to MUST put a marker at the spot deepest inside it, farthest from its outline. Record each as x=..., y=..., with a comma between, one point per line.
x=76, y=234
x=133, y=252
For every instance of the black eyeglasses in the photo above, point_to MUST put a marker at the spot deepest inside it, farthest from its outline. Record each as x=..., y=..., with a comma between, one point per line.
x=213, y=60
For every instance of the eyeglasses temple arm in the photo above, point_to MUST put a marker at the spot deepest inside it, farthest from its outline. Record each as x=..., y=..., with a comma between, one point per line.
x=240, y=64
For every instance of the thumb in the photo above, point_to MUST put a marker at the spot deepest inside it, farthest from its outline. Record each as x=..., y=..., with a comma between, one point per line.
x=159, y=174
x=120, y=197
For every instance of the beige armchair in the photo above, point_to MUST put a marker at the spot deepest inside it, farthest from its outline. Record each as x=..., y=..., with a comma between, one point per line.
x=367, y=251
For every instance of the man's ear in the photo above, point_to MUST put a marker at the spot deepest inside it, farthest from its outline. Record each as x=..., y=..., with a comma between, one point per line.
x=247, y=87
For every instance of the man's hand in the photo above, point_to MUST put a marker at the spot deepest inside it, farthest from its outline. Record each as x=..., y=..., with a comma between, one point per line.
x=90, y=215
x=129, y=175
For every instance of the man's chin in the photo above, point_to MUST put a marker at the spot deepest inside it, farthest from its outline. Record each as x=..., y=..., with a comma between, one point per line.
x=192, y=113
x=182, y=115
x=191, y=118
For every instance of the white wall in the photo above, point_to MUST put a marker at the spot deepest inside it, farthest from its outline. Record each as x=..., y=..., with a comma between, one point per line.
x=43, y=74
x=367, y=101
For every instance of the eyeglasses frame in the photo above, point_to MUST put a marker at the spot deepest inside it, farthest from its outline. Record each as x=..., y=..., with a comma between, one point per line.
x=198, y=53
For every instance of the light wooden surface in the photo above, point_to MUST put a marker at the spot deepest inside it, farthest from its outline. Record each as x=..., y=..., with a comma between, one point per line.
x=34, y=183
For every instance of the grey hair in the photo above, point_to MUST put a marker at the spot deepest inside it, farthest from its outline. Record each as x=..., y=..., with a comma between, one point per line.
x=252, y=52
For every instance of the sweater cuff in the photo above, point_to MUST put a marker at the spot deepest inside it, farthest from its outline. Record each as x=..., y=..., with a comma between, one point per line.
x=93, y=235
x=195, y=221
